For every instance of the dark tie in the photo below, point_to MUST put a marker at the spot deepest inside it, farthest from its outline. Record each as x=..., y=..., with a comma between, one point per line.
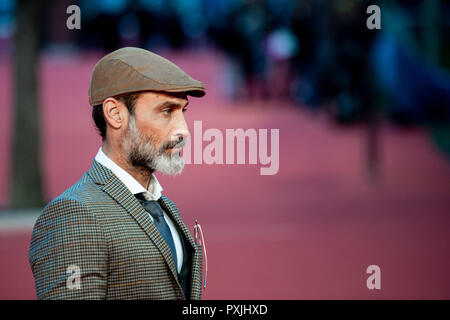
x=153, y=207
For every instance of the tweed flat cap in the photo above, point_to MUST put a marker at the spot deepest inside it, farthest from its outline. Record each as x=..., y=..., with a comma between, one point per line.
x=134, y=69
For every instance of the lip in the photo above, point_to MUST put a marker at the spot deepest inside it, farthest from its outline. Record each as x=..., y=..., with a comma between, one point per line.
x=175, y=149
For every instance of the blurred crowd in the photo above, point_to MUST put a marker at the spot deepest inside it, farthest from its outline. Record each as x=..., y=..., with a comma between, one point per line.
x=316, y=53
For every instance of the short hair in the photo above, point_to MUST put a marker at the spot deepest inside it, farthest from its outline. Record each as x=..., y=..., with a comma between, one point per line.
x=129, y=99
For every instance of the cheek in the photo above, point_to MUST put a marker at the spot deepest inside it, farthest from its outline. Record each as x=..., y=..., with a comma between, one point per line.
x=155, y=126
x=156, y=133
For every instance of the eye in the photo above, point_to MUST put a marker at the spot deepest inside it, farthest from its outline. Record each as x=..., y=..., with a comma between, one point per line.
x=168, y=111
x=185, y=109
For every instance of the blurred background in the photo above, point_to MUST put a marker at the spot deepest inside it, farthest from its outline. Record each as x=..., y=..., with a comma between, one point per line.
x=364, y=136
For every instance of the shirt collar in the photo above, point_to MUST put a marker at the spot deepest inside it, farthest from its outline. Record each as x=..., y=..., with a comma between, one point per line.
x=153, y=192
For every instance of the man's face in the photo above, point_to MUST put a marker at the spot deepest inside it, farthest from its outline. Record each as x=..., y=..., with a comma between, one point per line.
x=156, y=132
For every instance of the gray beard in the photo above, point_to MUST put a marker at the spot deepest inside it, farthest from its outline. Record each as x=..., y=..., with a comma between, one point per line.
x=142, y=154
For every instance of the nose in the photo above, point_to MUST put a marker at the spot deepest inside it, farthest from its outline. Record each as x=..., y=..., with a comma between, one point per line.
x=181, y=131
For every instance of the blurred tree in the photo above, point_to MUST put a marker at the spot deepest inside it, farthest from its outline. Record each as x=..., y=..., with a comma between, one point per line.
x=26, y=189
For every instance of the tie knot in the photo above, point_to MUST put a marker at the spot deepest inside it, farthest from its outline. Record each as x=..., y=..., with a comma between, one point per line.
x=144, y=196
x=151, y=206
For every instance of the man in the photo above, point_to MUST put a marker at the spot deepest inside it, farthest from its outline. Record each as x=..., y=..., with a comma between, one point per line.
x=113, y=235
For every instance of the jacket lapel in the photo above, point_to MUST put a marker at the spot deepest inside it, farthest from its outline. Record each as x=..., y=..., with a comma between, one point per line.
x=119, y=192
x=175, y=215
x=196, y=271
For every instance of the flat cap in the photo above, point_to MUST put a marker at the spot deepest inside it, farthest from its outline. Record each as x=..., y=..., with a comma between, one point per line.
x=134, y=69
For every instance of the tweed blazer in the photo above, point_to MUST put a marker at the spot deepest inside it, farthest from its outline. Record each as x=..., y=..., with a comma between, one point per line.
x=99, y=226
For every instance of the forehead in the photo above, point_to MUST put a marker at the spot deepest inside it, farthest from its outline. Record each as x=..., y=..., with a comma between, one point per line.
x=154, y=99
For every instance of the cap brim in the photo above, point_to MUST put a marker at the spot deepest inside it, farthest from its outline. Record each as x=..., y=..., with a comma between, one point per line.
x=195, y=92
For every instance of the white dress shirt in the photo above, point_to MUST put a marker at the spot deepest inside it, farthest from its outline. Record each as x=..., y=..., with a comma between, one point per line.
x=153, y=192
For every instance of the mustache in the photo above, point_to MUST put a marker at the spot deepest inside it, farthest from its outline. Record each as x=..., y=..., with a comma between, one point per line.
x=180, y=143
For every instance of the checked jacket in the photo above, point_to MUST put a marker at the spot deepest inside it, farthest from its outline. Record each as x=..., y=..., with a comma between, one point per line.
x=98, y=232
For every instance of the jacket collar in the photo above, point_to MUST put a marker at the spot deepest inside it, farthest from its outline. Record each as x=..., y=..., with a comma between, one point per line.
x=153, y=190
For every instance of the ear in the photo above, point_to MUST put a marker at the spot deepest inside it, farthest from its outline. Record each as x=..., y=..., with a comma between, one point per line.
x=114, y=113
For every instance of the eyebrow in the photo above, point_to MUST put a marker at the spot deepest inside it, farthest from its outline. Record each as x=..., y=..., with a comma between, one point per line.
x=170, y=104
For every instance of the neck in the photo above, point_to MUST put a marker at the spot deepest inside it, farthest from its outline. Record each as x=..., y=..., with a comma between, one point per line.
x=142, y=175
